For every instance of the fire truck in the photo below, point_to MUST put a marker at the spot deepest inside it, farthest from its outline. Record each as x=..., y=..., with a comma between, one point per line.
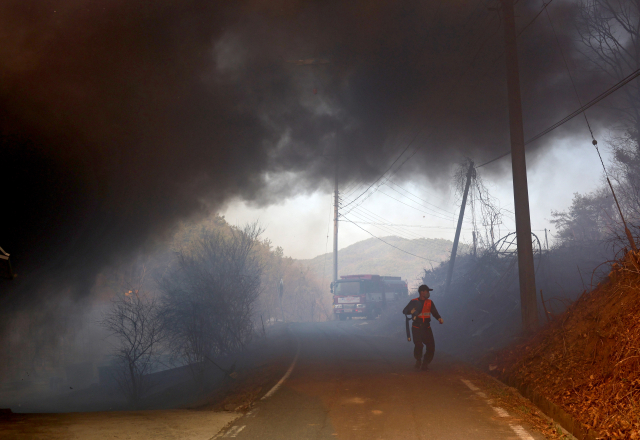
x=365, y=295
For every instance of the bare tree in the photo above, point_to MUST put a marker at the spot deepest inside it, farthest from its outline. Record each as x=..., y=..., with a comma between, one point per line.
x=134, y=321
x=590, y=218
x=609, y=31
x=209, y=295
x=304, y=298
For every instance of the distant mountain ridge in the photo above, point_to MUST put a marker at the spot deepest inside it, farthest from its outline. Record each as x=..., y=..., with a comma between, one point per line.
x=375, y=257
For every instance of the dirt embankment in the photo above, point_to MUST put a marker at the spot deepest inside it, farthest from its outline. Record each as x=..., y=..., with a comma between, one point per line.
x=587, y=360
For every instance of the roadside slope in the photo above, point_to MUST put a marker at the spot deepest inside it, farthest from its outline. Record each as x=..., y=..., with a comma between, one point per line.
x=587, y=360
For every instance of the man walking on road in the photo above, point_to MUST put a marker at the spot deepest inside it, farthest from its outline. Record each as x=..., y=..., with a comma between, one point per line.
x=421, y=309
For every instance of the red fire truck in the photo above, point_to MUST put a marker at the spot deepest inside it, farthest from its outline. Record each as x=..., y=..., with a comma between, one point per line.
x=365, y=295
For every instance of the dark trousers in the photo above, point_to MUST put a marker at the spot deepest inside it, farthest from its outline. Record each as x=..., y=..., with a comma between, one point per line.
x=423, y=335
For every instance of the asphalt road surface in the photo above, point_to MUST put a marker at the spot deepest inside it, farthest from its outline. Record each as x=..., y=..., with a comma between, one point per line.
x=348, y=382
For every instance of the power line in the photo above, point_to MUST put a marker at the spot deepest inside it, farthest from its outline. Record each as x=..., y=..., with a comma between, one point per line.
x=404, y=189
x=494, y=61
x=362, y=181
x=404, y=195
x=415, y=65
x=366, y=198
x=389, y=244
x=573, y=84
x=353, y=187
x=572, y=115
x=545, y=5
x=375, y=215
x=374, y=219
x=454, y=86
x=385, y=230
x=419, y=210
x=377, y=218
x=544, y=8
x=393, y=230
x=411, y=226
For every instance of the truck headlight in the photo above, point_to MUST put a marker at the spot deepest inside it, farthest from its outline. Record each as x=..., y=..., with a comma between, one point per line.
x=361, y=306
x=337, y=306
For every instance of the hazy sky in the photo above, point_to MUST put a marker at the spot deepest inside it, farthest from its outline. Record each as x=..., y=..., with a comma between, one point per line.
x=300, y=224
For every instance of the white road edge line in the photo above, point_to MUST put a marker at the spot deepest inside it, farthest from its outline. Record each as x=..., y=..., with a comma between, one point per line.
x=471, y=386
x=234, y=431
x=285, y=377
x=519, y=430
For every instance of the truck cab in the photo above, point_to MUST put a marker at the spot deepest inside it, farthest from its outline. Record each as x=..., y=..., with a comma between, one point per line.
x=358, y=296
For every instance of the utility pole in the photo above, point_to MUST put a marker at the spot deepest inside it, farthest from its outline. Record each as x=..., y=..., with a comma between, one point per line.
x=475, y=252
x=454, y=250
x=546, y=240
x=528, y=296
x=280, y=293
x=335, y=226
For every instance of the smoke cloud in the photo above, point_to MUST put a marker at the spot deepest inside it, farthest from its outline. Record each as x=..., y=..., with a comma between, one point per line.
x=121, y=117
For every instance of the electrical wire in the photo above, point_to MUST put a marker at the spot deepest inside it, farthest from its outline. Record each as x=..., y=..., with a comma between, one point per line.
x=450, y=91
x=412, y=226
x=472, y=62
x=545, y=5
x=573, y=84
x=377, y=218
x=419, y=204
x=444, y=200
x=387, y=230
x=413, y=207
x=572, y=115
x=544, y=8
x=389, y=244
x=438, y=8
x=593, y=139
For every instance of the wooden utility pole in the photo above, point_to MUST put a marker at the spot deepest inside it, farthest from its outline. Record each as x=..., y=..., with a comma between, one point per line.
x=335, y=226
x=528, y=295
x=454, y=250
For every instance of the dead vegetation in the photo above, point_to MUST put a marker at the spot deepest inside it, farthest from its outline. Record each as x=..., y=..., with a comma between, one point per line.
x=521, y=409
x=587, y=360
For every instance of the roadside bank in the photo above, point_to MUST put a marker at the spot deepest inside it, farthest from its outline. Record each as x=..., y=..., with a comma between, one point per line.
x=585, y=363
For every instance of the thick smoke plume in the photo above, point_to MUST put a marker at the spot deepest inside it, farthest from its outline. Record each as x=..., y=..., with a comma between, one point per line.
x=121, y=117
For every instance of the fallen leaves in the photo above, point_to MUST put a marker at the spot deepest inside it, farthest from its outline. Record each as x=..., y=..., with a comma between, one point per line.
x=596, y=341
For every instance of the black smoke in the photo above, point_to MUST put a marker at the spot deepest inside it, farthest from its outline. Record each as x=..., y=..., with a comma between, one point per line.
x=121, y=117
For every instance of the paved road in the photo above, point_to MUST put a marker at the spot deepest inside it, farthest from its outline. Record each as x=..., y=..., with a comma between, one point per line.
x=349, y=384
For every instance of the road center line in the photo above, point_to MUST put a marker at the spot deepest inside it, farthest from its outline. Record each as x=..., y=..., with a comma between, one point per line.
x=286, y=375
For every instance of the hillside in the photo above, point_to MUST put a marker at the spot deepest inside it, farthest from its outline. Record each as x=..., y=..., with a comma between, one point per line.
x=587, y=360
x=374, y=256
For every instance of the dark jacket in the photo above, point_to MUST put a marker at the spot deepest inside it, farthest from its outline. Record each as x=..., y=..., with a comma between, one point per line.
x=415, y=307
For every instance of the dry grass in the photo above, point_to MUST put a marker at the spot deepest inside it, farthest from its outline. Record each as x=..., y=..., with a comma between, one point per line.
x=587, y=360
